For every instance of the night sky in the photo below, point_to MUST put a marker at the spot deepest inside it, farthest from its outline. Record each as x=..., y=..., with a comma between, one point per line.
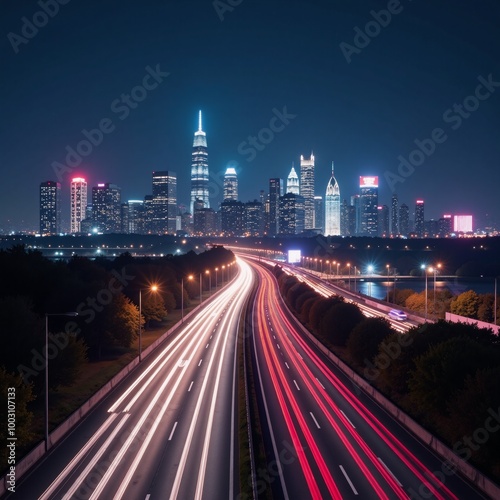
x=242, y=62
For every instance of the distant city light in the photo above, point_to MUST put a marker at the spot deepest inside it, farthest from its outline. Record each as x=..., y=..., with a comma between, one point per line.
x=462, y=223
x=294, y=256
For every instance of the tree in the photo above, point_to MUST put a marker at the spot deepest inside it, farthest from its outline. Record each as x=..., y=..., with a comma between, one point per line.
x=153, y=307
x=485, y=309
x=69, y=361
x=416, y=302
x=365, y=338
x=296, y=291
x=338, y=322
x=466, y=304
x=319, y=309
x=441, y=371
x=399, y=297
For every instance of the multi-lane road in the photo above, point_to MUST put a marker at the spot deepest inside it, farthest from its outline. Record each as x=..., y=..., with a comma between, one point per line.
x=170, y=430
x=327, y=439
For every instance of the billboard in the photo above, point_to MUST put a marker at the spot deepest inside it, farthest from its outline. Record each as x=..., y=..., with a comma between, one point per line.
x=368, y=182
x=462, y=223
x=294, y=256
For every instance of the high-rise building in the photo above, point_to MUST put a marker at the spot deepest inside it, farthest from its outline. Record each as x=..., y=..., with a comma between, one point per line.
x=307, y=189
x=394, y=215
x=462, y=223
x=199, y=168
x=332, y=207
x=291, y=214
x=275, y=192
x=344, y=218
x=78, y=203
x=355, y=214
x=106, y=208
x=445, y=225
x=368, y=205
x=164, y=202
x=133, y=217
x=383, y=221
x=50, y=208
x=404, y=219
x=204, y=222
x=292, y=182
x=232, y=215
x=419, y=219
x=319, y=214
x=230, y=184
x=253, y=218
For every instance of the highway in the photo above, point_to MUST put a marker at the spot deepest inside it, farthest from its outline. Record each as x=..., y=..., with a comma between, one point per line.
x=324, y=437
x=169, y=430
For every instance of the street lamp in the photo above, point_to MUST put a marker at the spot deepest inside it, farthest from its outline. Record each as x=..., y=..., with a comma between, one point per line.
x=425, y=270
x=201, y=291
x=223, y=267
x=209, y=282
x=338, y=264
x=387, y=267
x=349, y=269
x=153, y=288
x=216, y=269
x=72, y=314
x=355, y=273
x=190, y=277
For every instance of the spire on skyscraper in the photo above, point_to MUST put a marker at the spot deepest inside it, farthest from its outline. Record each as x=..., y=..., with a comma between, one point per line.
x=200, y=129
x=199, y=168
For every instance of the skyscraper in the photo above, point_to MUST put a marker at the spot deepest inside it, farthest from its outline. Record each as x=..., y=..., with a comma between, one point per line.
x=291, y=214
x=164, y=202
x=368, y=204
x=394, y=215
x=275, y=192
x=307, y=189
x=292, y=182
x=230, y=184
x=383, y=221
x=199, y=168
x=332, y=207
x=232, y=213
x=319, y=214
x=78, y=203
x=50, y=208
x=404, y=219
x=106, y=208
x=419, y=218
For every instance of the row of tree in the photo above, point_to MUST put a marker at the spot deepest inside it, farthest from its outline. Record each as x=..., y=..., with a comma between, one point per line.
x=446, y=375
x=469, y=304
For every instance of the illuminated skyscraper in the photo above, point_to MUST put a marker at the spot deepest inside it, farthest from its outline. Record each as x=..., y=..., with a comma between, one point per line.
x=383, y=221
x=291, y=214
x=164, y=202
x=307, y=189
x=319, y=214
x=419, y=218
x=199, y=168
x=275, y=192
x=106, y=208
x=404, y=219
x=368, y=205
x=332, y=207
x=50, y=208
x=292, y=182
x=78, y=203
x=394, y=215
x=230, y=184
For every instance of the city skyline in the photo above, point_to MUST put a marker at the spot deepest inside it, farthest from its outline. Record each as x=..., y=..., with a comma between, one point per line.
x=416, y=106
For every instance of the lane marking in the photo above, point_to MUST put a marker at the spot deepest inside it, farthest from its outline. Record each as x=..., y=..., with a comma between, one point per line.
x=278, y=346
x=348, y=479
x=207, y=346
x=200, y=362
x=190, y=385
x=347, y=418
x=389, y=471
x=172, y=433
x=286, y=364
x=314, y=418
x=296, y=385
x=320, y=383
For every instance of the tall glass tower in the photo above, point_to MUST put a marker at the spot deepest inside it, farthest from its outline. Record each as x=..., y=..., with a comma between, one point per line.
x=199, y=168
x=50, y=208
x=230, y=184
x=292, y=182
x=307, y=189
x=78, y=203
x=332, y=207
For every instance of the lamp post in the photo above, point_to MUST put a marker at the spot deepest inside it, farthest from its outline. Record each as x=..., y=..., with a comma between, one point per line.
x=495, y=304
x=425, y=270
x=216, y=269
x=72, y=314
x=338, y=264
x=201, y=291
x=387, y=267
x=182, y=297
x=153, y=288
x=355, y=273
x=223, y=267
x=349, y=270
x=209, y=282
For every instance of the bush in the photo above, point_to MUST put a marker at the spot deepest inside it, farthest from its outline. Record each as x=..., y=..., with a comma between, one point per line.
x=338, y=322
